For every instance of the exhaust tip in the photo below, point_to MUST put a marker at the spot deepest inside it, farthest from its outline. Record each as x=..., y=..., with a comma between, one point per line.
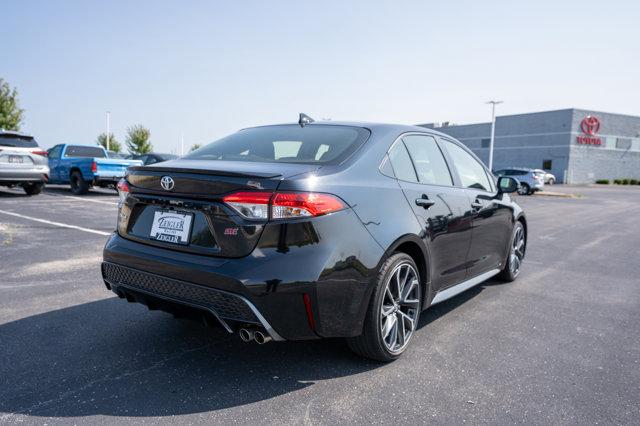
x=261, y=338
x=246, y=335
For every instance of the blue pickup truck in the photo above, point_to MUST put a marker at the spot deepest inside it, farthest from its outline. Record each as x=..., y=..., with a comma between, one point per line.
x=84, y=166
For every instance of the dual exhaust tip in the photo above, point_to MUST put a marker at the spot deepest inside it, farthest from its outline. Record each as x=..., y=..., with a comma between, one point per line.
x=248, y=335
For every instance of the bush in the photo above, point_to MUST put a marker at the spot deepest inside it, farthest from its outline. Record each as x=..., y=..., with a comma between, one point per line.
x=617, y=182
x=633, y=181
x=603, y=181
x=625, y=181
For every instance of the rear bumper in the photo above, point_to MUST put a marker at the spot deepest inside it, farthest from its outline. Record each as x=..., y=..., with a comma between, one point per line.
x=221, y=304
x=335, y=268
x=107, y=179
x=25, y=175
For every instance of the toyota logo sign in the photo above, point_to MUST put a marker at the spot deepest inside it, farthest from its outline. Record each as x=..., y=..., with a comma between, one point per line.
x=167, y=183
x=590, y=125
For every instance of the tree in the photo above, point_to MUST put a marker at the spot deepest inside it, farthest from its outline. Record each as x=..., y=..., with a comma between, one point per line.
x=138, y=140
x=114, y=145
x=194, y=147
x=10, y=111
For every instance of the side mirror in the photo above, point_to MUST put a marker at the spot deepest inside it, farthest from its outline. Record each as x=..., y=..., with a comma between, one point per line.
x=507, y=184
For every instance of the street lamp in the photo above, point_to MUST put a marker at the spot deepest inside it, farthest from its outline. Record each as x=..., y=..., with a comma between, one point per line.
x=108, y=138
x=493, y=131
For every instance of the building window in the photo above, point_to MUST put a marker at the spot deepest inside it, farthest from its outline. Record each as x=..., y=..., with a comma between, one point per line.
x=623, y=143
x=484, y=143
x=546, y=164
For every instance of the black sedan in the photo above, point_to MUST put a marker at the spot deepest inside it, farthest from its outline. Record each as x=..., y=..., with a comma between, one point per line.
x=313, y=230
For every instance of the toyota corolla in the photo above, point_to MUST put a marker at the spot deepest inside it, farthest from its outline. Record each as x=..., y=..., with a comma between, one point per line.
x=315, y=230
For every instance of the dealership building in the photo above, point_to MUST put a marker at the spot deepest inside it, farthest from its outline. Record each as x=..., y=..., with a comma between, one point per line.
x=577, y=146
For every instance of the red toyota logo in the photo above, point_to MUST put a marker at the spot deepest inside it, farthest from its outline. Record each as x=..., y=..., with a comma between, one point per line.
x=590, y=125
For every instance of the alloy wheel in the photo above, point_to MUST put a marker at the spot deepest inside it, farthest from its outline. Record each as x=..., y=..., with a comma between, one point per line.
x=400, y=307
x=517, y=251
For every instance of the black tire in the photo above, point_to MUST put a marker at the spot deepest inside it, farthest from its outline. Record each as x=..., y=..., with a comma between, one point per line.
x=552, y=181
x=33, y=188
x=79, y=186
x=509, y=273
x=525, y=189
x=371, y=343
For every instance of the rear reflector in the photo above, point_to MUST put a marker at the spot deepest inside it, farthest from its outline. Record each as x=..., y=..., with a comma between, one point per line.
x=283, y=205
x=307, y=307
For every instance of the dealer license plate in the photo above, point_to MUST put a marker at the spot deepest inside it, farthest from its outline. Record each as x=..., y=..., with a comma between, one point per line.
x=171, y=226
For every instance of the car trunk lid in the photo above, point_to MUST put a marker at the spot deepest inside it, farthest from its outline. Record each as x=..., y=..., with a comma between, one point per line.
x=188, y=194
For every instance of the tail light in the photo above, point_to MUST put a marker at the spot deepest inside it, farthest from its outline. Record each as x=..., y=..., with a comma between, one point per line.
x=43, y=153
x=252, y=205
x=283, y=205
x=123, y=189
x=94, y=167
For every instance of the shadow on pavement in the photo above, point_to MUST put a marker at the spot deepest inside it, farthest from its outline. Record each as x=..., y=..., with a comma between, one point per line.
x=113, y=358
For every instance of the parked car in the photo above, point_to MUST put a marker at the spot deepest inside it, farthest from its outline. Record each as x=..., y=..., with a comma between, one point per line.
x=293, y=232
x=84, y=166
x=154, y=157
x=547, y=178
x=22, y=162
x=530, y=181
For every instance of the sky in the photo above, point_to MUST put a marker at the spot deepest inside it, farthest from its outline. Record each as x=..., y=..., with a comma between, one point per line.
x=202, y=70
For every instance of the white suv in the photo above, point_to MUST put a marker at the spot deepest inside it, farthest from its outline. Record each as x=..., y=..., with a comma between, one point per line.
x=22, y=162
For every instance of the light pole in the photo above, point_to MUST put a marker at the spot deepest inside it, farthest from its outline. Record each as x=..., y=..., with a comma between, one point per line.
x=108, y=137
x=493, y=131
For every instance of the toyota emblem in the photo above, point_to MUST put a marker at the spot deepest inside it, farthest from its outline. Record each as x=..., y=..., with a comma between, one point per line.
x=590, y=125
x=167, y=183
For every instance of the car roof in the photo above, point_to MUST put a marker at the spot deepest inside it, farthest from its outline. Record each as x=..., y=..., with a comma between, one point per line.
x=13, y=133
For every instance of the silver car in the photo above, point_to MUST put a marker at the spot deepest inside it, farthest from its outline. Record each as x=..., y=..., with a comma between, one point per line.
x=548, y=178
x=22, y=162
x=530, y=180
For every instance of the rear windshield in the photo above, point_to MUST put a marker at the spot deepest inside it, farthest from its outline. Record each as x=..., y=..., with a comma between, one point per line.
x=84, y=151
x=18, y=141
x=312, y=144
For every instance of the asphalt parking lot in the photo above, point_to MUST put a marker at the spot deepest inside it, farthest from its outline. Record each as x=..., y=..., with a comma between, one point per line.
x=560, y=345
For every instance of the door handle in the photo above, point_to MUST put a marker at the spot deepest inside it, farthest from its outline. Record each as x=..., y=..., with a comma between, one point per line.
x=424, y=202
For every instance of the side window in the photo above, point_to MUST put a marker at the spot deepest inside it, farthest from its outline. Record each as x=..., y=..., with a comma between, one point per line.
x=55, y=151
x=428, y=160
x=472, y=173
x=150, y=160
x=401, y=163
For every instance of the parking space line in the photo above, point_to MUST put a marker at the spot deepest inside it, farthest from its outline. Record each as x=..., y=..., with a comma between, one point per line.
x=82, y=199
x=62, y=225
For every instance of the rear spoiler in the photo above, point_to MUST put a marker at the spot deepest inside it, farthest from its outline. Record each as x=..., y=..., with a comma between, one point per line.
x=210, y=172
